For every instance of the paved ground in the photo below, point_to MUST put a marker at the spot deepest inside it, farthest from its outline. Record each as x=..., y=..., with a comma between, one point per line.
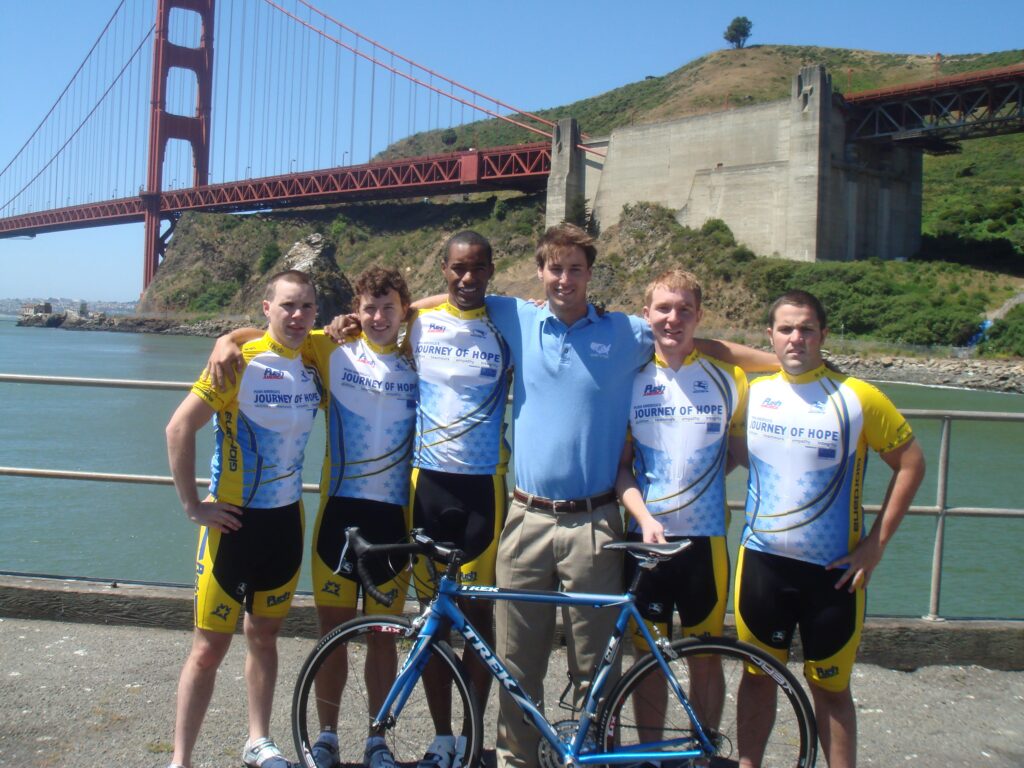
x=94, y=696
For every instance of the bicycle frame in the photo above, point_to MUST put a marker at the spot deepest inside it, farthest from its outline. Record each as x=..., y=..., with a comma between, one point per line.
x=444, y=609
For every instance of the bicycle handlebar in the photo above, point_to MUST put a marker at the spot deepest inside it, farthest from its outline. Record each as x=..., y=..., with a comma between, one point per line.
x=420, y=545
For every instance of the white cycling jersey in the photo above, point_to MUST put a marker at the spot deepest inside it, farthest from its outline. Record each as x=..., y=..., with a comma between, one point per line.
x=680, y=422
x=463, y=365
x=370, y=417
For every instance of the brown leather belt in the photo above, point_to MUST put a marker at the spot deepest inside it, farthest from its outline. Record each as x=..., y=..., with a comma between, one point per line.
x=563, y=506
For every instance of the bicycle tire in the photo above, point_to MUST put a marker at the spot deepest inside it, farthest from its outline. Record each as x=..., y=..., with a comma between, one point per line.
x=411, y=733
x=792, y=742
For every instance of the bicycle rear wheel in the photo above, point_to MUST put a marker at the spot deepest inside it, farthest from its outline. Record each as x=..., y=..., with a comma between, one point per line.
x=410, y=733
x=632, y=713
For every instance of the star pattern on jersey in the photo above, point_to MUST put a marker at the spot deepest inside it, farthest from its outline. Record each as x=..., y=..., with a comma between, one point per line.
x=280, y=480
x=699, y=511
x=377, y=458
x=458, y=427
x=815, y=530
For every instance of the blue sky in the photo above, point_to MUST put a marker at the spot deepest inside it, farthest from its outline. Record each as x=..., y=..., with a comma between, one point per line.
x=531, y=54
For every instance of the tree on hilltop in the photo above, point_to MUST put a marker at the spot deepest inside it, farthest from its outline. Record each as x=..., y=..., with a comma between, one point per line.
x=738, y=31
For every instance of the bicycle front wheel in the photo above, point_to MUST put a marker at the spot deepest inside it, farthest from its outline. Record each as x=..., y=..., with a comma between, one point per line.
x=641, y=713
x=335, y=683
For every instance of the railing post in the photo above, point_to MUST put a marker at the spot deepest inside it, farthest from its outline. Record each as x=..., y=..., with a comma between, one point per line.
x=940, y=521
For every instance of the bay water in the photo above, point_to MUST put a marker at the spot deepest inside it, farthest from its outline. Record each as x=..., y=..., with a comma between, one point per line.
x=122, y=532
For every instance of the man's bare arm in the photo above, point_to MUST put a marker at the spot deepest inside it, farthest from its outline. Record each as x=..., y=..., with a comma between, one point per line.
x=188, y=419
x=737, y=455
x=344, y=328
x=429, y=302
x=749, y=359
x=907, y=463
x=629, y=494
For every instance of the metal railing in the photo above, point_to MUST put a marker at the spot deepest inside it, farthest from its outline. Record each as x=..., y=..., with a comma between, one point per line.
x=940, y=509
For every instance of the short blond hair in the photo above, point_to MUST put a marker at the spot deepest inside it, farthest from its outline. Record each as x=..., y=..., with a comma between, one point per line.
x=675, y=279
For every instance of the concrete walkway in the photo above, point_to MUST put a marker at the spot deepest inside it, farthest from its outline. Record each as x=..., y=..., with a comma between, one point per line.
x=94, y=696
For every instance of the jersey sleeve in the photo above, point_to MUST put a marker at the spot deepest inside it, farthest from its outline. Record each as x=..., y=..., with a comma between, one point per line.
x=316, y=350
x=738, y=422
x=218, y=399
x=885, y=429
x=411, y=333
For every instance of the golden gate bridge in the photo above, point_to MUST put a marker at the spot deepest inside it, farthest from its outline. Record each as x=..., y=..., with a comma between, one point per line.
x=296, y=108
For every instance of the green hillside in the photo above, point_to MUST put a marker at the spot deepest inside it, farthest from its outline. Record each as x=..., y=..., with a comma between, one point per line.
x=719, y=80
x=973, y=220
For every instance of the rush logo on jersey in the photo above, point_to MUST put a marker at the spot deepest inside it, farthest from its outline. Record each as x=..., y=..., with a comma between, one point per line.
x=653, y=390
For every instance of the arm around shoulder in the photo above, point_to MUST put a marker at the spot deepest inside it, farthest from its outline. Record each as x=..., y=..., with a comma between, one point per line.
x=749, y=359
x=226, y=360
x=427, y=302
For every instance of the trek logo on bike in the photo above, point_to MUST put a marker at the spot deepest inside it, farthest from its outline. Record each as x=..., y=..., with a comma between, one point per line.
x=487, y=657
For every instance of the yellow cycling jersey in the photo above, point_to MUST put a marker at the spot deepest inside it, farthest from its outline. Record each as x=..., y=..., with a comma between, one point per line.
x=263, y=422
x=807, y=437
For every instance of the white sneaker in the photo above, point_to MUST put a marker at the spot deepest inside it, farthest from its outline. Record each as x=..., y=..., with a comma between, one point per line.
x=460, y=752
x=263, y=753
x=440, y=753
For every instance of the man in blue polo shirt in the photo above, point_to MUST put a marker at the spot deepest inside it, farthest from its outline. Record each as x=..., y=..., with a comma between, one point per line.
x=574, y=367
x=574, y=371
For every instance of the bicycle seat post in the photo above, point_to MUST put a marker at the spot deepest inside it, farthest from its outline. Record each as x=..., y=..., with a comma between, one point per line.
x=645, y=564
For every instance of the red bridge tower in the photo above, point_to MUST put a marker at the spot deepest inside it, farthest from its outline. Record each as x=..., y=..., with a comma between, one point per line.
x=163, y=126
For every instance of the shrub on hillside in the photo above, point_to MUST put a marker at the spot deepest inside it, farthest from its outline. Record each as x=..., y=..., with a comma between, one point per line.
x=1006, y=336
x=216, y=296
x=891, y=301
x=949, y=246
x=268, y=257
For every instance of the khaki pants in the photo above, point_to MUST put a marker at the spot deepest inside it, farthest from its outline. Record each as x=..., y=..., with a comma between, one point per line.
x=540, y=550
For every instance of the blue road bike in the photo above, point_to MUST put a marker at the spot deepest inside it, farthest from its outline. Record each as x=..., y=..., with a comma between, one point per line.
x=655, y=713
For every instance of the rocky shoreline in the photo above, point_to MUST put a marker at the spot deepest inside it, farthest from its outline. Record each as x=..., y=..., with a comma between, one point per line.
x=968, y=373
x=131, y=324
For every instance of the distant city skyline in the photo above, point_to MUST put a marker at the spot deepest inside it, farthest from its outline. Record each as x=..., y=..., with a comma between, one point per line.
x=533, y=55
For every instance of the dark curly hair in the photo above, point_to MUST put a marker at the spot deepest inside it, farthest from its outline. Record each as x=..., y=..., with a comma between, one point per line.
x=377, y=281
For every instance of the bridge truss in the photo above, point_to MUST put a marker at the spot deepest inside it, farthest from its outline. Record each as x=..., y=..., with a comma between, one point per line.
x=523, y=167
x=936, y=113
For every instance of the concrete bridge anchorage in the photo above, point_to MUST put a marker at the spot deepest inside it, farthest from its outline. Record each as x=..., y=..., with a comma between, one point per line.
x=784, y=176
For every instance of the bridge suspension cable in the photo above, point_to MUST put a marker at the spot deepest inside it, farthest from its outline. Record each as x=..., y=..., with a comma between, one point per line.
x=79, y=150
x=292, y=95
x=453, y=84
